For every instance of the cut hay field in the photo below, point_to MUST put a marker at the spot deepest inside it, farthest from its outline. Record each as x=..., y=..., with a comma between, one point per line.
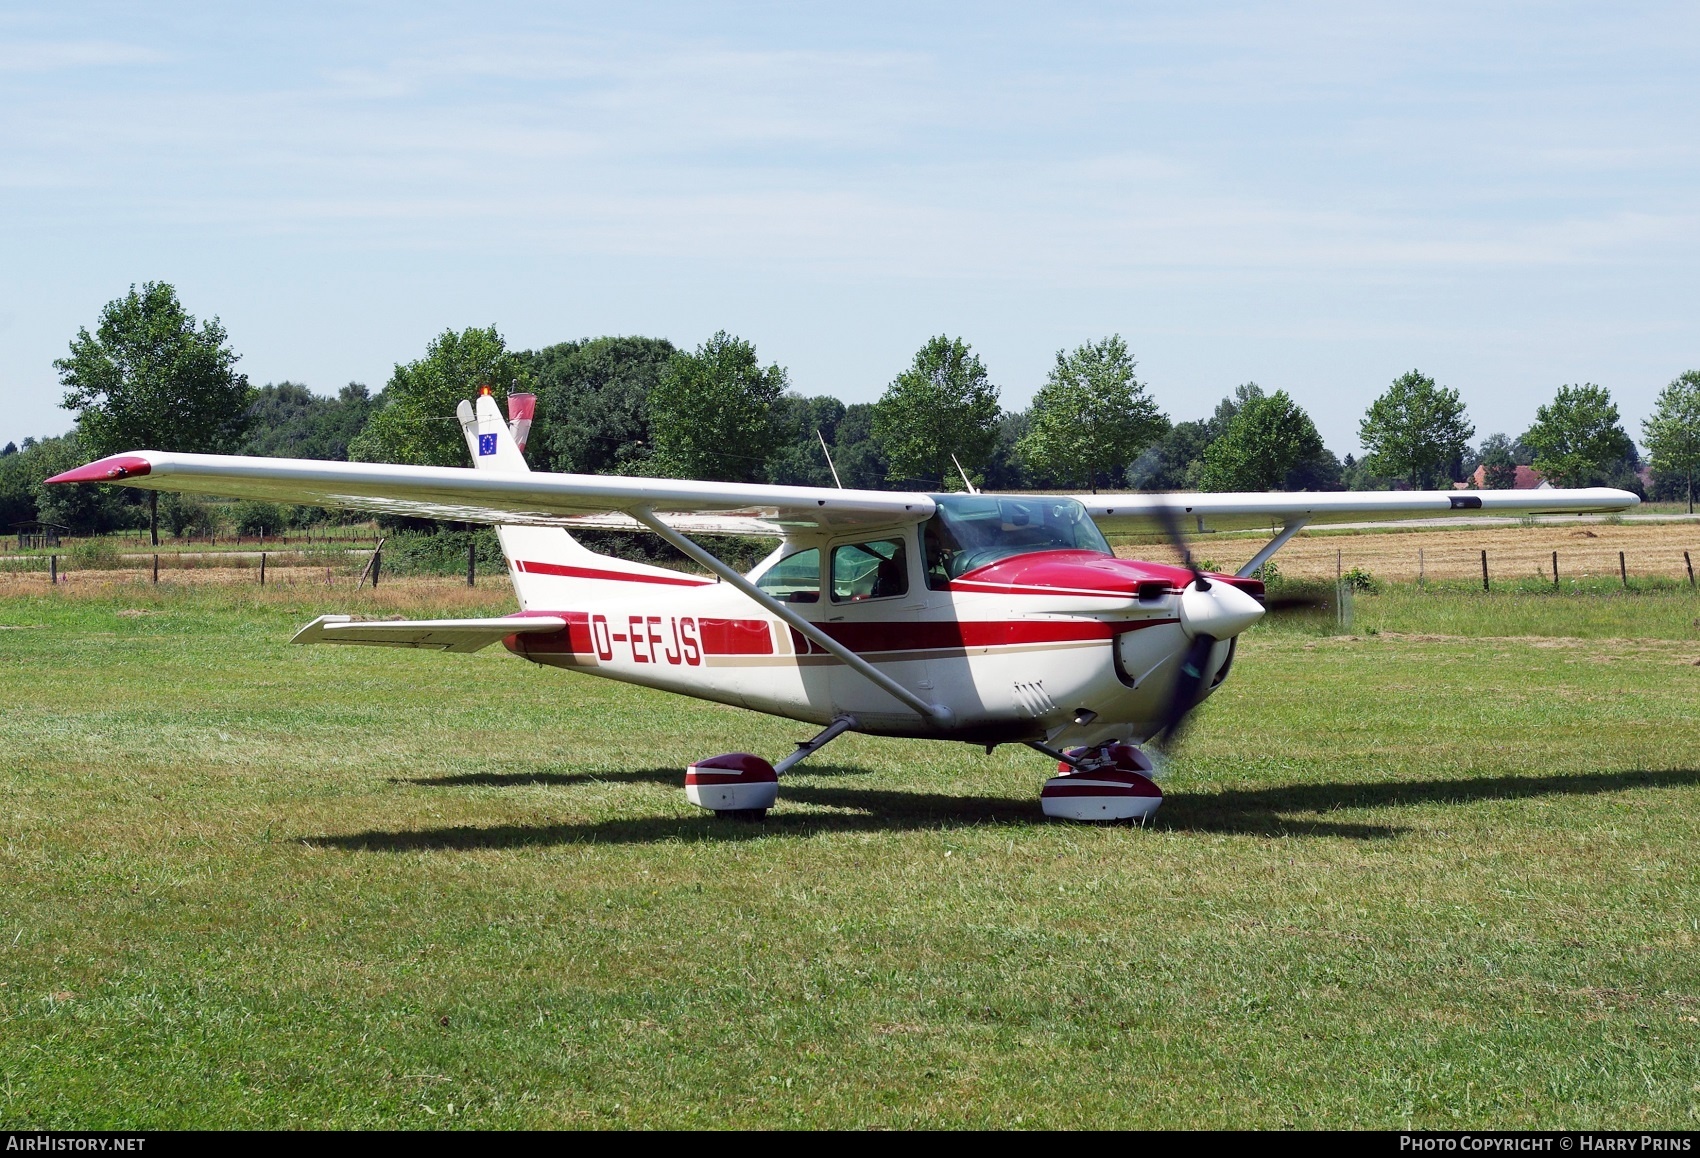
x=1409, y=878
x=1585, y=550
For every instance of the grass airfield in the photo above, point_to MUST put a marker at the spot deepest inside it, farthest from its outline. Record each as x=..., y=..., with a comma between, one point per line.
x=1439, y=873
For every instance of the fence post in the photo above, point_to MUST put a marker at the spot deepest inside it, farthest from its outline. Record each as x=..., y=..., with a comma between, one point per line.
x=262, y=568
x=156, y=568
x=53, y=568
x=372, y=566
x=1419, y=566
x=1690, y=564
x=377, y=564
x=1485, y=586
x=471, y=562
x=1623, y=570
x=1555, y=570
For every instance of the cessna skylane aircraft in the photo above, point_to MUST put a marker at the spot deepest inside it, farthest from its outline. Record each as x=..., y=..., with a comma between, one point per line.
x=989, y=619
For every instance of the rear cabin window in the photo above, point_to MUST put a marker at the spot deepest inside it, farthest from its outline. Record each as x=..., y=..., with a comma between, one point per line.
x=795, y=578
x=970, y=531
x=874, y=570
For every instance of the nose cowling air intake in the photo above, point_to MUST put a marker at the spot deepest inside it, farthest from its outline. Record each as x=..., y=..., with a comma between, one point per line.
x=1219, y=610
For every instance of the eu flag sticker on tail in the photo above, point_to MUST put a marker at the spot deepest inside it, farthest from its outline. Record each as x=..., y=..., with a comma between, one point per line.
x=486, y=444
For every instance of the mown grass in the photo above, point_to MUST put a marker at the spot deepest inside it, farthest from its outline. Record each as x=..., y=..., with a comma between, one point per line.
x=1410, y=878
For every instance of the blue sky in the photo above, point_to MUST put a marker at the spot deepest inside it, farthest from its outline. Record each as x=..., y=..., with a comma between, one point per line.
x=1315, y=197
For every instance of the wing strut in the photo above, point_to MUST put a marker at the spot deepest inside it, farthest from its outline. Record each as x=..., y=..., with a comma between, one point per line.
x=1272, y=546
x=809, y=631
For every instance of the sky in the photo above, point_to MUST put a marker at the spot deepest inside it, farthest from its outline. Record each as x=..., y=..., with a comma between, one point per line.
x=1315, y=197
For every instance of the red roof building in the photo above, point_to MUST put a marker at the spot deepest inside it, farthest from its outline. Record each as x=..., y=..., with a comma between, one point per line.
x=1528, y=479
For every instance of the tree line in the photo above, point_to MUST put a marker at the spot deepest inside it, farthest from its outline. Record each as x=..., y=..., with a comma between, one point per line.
x=151, y=376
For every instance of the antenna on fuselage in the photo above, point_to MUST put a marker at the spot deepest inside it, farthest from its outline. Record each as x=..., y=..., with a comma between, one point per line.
x=966, y=481
x=828, y=454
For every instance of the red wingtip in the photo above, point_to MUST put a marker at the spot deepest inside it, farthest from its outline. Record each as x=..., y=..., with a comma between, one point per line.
x=111, y=469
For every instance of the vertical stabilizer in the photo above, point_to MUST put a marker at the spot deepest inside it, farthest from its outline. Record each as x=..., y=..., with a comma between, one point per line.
x=551, y=571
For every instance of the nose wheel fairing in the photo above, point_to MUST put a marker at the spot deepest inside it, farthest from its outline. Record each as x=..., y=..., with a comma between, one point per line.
x=1111, y=782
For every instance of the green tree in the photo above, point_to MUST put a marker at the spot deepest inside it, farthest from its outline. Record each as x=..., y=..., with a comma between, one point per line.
x=149, y=379
x=1576, y=439
x=1672, y=434
x=1498, y=463
x=1416, y=431
x=287, y=420
x=1176, y=461
x=1092, y=416
x=593, y=404
x=711, y=412
x=1268, y=438
x=20, y=471
x=800, y=424
x=860, y=459
x=1007, y=469
x=942, y=405
x=415, y=419
x=81, y=510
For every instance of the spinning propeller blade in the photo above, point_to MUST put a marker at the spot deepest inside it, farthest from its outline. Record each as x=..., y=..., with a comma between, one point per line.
x=1172, y=528
x=1295, y=603
x=1190, y=681
x=1185, y=695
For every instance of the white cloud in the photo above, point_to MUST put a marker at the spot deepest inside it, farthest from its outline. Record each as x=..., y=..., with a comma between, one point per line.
x=57, y=56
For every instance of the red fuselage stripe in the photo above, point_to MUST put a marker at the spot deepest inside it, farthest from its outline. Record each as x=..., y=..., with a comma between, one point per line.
x=618, y=576
x=755, y=636
x=956, y=635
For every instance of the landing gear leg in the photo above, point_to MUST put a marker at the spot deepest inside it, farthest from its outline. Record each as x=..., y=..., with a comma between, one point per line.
x=744, y=786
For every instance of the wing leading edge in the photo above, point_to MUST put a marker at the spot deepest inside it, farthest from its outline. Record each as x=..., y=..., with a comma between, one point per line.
x=466, y=495
x=1228, y=511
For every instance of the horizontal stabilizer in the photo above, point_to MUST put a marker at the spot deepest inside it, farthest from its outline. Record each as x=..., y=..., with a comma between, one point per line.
x=440, y=634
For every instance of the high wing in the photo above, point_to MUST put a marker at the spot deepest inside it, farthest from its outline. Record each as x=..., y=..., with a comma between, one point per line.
x=1228, y=511
x=466, y=495
x=571, y=500
x=442, y=634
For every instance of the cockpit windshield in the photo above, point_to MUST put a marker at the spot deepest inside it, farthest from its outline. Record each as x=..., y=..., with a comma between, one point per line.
x=970, y=531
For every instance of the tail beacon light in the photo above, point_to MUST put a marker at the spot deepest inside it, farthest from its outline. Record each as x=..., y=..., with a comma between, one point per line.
x=737, y=783
x=1113, y=782
x=521, y=409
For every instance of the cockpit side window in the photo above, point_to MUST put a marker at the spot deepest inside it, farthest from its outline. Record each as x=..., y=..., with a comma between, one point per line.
x=874, y=570
x=795, y=578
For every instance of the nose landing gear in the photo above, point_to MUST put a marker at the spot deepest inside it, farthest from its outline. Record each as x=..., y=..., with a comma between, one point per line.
x=1108, y=782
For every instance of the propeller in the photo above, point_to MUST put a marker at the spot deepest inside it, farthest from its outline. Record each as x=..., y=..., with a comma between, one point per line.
x=1295, y=603
x=1190, y=680
x=1185, y=696
x=1200, y=613
x=1172, y=528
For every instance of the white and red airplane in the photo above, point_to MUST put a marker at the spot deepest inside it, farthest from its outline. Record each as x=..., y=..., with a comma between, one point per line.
x=989, y=619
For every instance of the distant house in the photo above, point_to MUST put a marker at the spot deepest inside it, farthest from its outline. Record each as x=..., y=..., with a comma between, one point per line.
x=1528, y=479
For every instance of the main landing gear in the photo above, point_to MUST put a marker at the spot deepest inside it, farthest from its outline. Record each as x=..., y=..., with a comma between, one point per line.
x=1107, y=782
x=744, y=786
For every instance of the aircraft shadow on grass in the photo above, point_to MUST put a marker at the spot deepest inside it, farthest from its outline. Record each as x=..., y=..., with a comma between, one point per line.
x=1284, y=811
x=672, y=777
